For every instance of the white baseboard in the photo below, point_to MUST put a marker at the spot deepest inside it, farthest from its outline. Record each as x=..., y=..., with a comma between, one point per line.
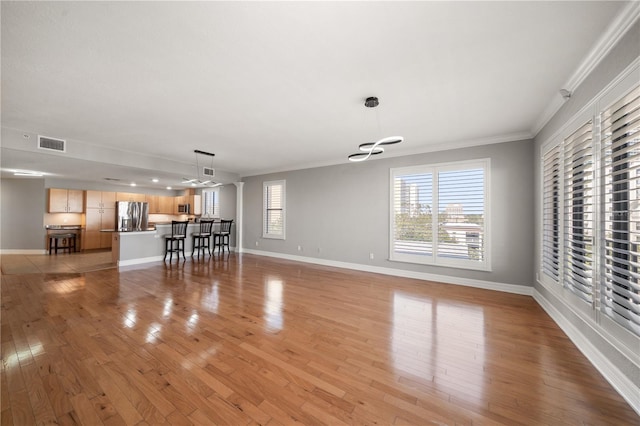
x=139, y=261
x=487, y=285
x=28, y=251
x=142, y=260
x=620, y=382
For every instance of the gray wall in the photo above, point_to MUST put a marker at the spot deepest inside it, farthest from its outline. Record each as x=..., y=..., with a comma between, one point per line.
x=22, y=204
x=341, y=212
x=625, y=52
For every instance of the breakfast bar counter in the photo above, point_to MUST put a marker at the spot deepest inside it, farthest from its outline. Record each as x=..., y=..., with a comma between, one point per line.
x=135, y=247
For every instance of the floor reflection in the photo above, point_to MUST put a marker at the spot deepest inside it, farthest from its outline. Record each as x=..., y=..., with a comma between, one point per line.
x=273, y=304
x=438, y=340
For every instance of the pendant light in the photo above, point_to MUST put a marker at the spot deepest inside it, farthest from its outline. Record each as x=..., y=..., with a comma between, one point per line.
x=373, y=148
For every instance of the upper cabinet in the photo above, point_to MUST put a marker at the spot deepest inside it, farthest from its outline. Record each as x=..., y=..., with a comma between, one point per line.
x=160, y=204
x=65, y=200
x=129, y=196
x=100, y=200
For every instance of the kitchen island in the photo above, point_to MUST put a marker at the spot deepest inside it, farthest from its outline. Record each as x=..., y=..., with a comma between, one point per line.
x=136, y=247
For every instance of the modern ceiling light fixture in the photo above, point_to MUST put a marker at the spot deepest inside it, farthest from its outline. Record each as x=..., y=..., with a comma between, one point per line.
x=207, y=172
x=374, y=148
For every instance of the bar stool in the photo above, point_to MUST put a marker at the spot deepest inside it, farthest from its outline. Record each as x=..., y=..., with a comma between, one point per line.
x=178, y=235
x=200, y=240
x=55, y=238
x=221, y=237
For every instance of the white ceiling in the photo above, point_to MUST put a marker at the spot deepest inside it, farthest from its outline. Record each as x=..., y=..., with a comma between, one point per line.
x=277, y=86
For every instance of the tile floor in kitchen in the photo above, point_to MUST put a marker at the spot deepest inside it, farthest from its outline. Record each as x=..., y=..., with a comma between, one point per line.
x=12, y=264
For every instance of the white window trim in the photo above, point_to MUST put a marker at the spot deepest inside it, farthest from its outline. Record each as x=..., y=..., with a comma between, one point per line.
x=485, y=164
x=265, y=185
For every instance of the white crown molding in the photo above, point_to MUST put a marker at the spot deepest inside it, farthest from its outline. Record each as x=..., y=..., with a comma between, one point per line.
x=470, y=143
x=487, y=285
x=624, y=386
x=615, y=31
x=423, y=149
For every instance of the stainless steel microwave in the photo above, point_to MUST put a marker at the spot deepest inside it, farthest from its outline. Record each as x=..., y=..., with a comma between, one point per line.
x=184, y=208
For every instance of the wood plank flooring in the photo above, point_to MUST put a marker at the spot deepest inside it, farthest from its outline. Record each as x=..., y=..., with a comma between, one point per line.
x=242, y=339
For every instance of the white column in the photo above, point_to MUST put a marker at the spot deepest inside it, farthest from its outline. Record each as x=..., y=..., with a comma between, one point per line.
x=239, y=215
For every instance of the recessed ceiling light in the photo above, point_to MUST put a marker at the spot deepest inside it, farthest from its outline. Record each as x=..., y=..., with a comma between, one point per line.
x=168, y=187
x=155, y=180
x=132, y=184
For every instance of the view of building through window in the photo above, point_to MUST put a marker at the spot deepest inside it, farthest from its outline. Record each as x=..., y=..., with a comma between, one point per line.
x=450, y=201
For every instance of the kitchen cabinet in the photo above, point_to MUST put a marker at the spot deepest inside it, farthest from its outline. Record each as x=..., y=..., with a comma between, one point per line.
x=129, y=196
x=100, y=200
x=159, y=204
x=65, y=200
x=166, y=204
x=100, y=214
x=95, y=220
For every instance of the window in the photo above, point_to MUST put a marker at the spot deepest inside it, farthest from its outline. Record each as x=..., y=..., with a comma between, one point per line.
x=598, y=221
x=211, y=202
x=439, y=214
x=273, y=225
x=620, y=144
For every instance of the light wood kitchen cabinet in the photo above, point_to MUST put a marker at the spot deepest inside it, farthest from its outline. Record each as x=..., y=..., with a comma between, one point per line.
x=100, y=213
x=129, y=196
x=100, y=200
x=160, y=204
x=65, y=200
x=153, y=205
x=166, y=204
x=95, y=220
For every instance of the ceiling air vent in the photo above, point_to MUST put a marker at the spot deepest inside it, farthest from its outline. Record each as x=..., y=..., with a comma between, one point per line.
x=51, y=144
x=208, y=171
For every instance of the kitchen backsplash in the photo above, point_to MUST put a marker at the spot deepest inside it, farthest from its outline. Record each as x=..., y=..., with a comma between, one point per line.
x=63, y=219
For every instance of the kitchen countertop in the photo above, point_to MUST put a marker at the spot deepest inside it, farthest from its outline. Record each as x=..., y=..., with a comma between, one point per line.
x=127, y=231
x=62, y=227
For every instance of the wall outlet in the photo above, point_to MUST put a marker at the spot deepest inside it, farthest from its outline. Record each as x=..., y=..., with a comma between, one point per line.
x=319, y=250
x=257, y=244
x=371, y=256
x=299, y=248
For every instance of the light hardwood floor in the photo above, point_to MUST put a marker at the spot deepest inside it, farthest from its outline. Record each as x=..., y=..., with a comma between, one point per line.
x=242, y=339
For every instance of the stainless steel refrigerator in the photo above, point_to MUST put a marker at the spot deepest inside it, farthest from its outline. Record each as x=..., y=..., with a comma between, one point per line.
x=132, y=215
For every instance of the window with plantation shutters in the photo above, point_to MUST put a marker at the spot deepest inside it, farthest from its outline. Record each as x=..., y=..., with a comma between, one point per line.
x=210, y=203
x=273, y=209
x=620, y=144
x=439, y=214
x=578, y=212
x=551, y=213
